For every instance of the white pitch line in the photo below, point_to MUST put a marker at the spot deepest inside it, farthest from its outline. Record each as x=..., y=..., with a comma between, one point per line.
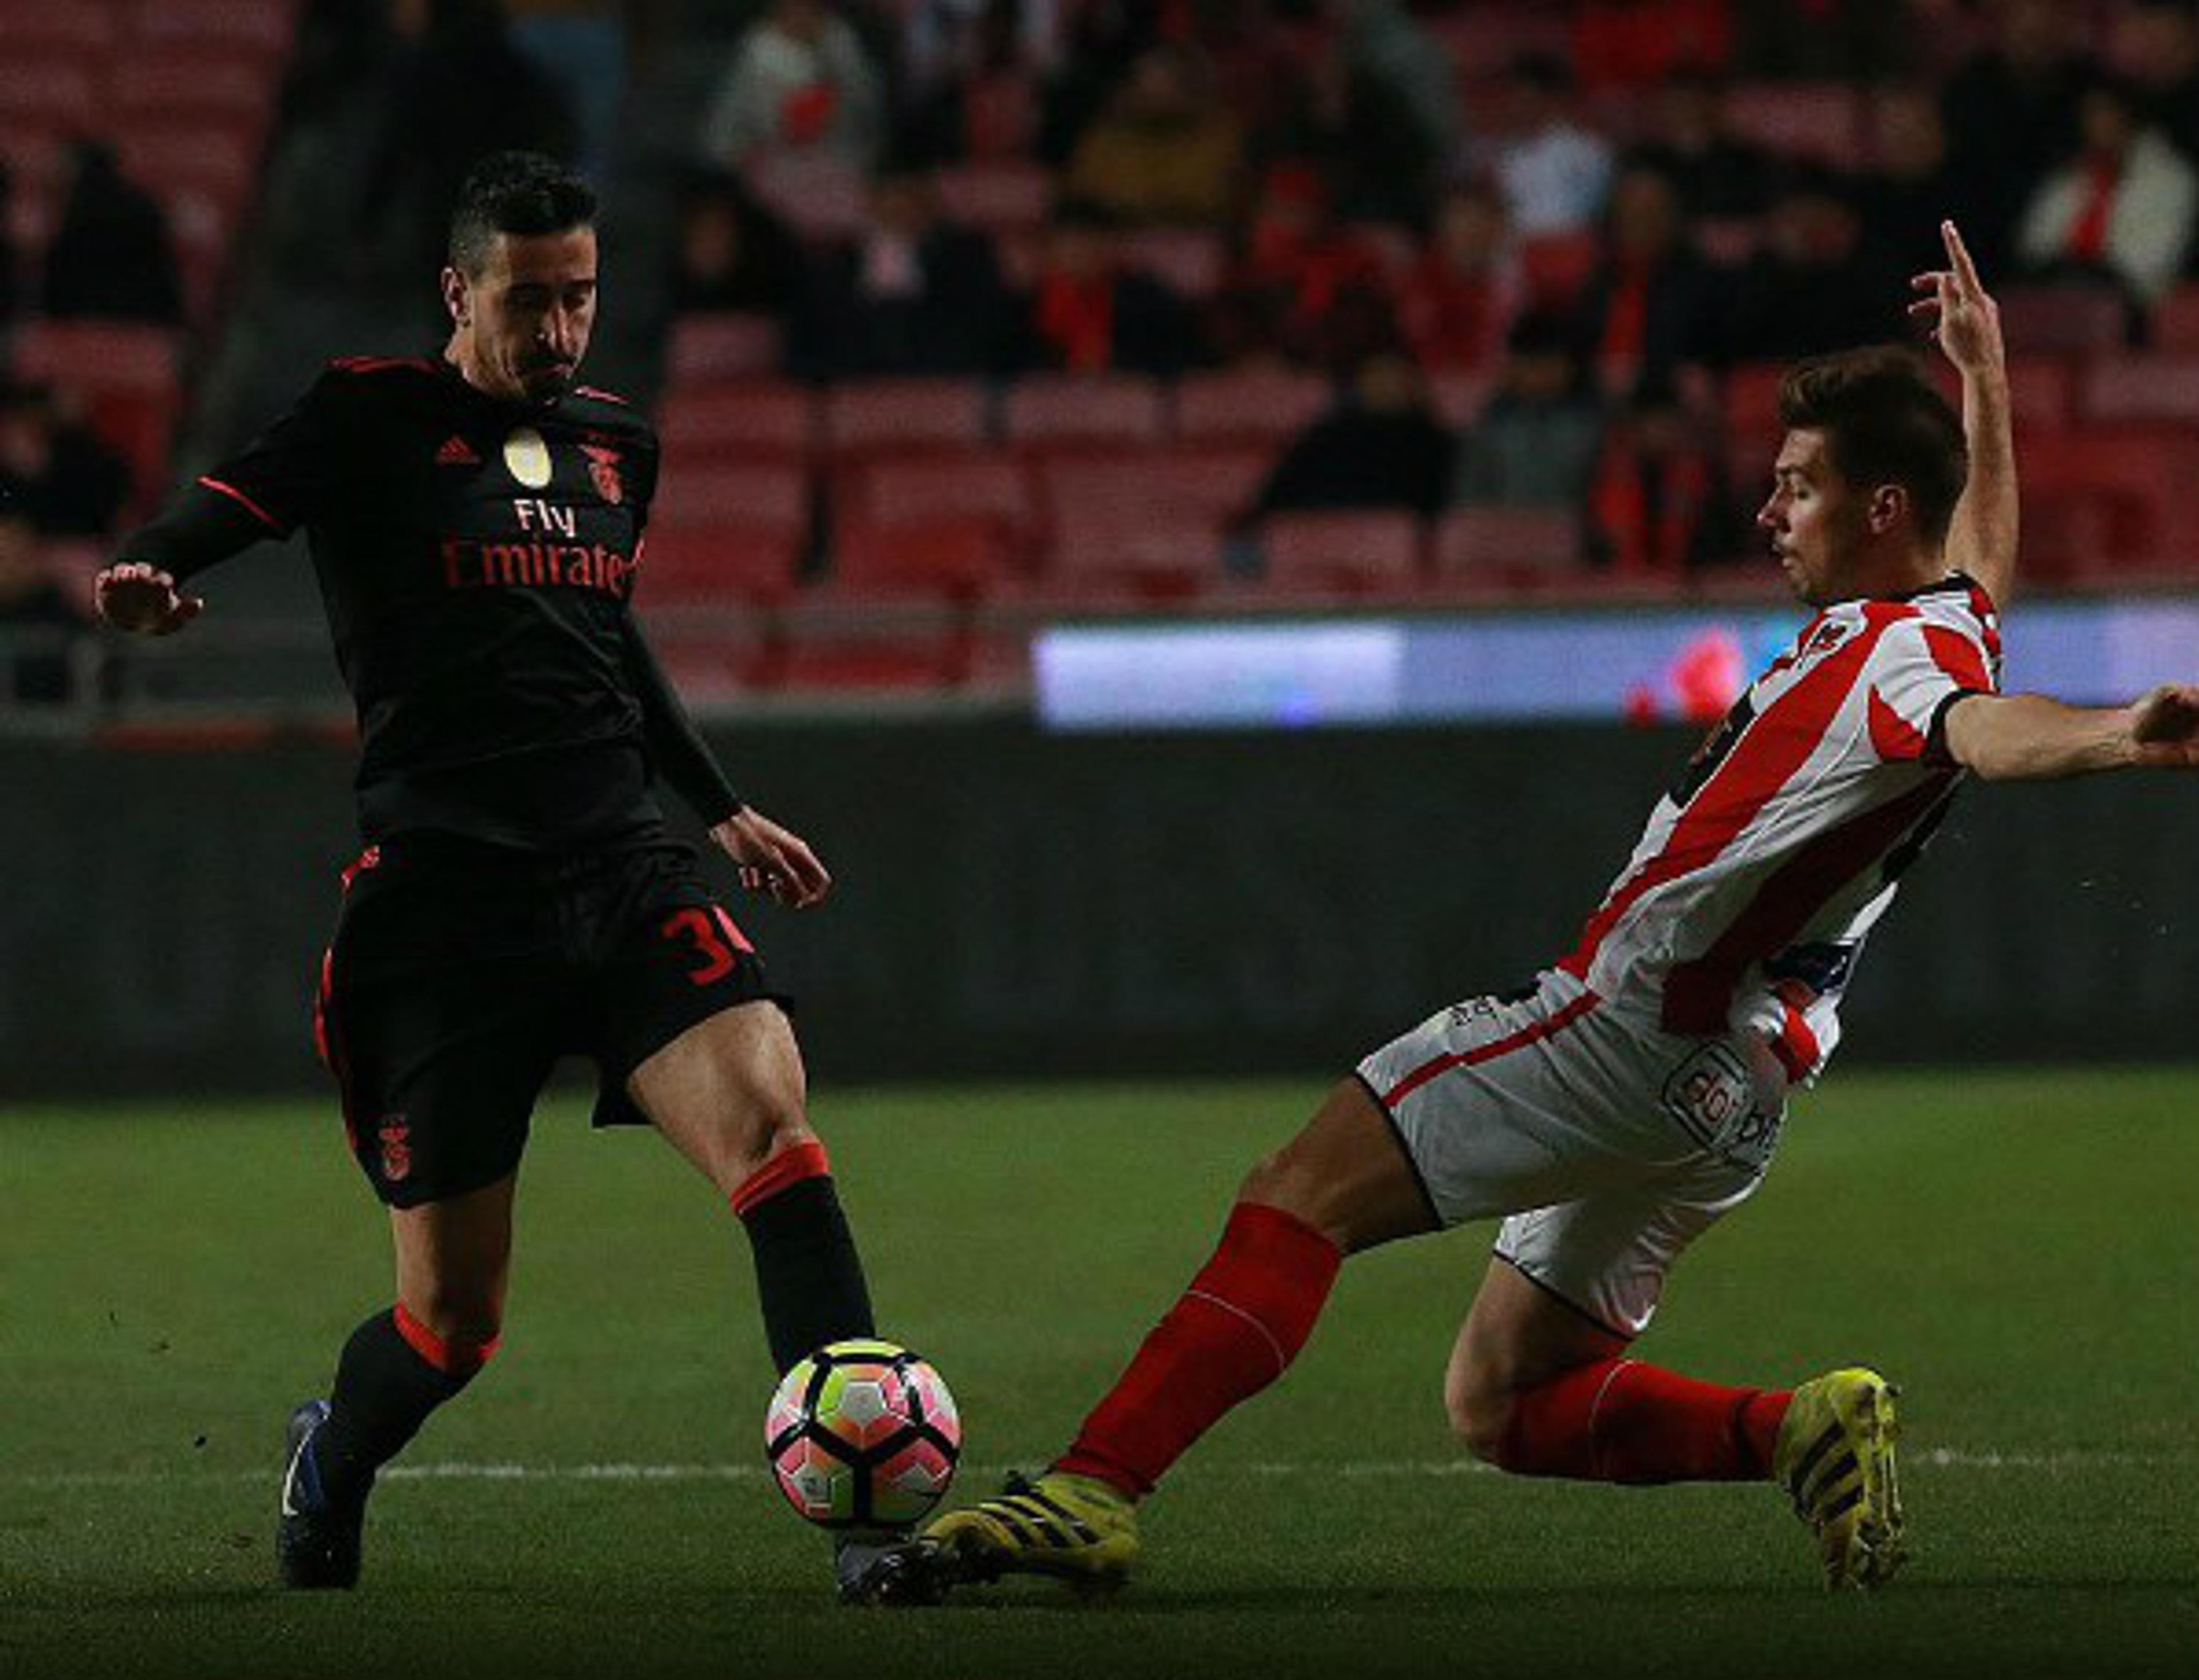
x=1939, y=1458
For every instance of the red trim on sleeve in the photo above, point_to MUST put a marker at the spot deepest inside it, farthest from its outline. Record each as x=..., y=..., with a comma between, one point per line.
x=1957, y=656
x=250, y=506
x=785, y=1169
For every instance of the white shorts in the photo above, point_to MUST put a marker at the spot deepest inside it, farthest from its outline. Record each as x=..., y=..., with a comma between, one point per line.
x=1609, y=1144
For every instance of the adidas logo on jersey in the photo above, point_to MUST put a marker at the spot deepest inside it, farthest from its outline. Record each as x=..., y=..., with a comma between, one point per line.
x=457, y=453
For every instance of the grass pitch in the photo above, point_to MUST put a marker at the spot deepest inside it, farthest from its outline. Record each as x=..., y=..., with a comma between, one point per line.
x=2016, y=1248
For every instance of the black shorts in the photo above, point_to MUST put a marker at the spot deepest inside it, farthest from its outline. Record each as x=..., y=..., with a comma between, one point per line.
x=461, y=971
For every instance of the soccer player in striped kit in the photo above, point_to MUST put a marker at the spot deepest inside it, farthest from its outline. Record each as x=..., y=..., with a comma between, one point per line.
x=1633, y=1094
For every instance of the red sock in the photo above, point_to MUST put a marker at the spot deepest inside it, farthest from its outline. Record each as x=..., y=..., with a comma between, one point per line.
x=1235, y=1331
x=1618, y=1420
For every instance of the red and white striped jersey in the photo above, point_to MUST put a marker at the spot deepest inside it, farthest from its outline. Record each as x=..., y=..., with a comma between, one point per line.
x=1761, y=873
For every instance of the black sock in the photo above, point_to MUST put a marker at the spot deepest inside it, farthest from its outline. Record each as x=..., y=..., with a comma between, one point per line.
x=809, y=1279
x=384, y=1391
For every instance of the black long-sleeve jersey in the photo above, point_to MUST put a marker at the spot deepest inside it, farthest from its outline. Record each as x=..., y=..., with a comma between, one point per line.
x=476, y=558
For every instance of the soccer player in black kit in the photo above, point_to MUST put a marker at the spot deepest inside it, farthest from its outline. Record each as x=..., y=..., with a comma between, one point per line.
x=475, y=520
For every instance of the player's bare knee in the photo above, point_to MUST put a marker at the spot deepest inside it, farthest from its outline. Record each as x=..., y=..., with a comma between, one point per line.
x=1281, y=1180
x=1480, y=1416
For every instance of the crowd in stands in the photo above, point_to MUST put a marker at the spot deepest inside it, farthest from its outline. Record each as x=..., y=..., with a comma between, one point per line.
x=1059, y=302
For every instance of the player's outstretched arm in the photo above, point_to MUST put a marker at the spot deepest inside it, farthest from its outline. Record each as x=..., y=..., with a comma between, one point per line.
x=772, y=858
x=144, y=599
x=1965, y=324
x=2016, y=737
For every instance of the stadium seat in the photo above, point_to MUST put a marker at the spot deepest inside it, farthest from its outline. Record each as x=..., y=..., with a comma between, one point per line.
x=184, y=83
x=1123, y=410
x=2040, y=392
x=1506, y=548
x=1357, y=552
x=1266, y=405
x=1189, y=262
x=1152, y=522
x=266, y=29
x=2100, y=498
x=1819, y=121
x=949, y=558
x=999, y=114
x=2060, y=318
x=871, y=416
x=1458, y=396
x=731, y=564
x=2176, y=319
x=722, y=345
x=768, y=497
x=2160, y=386
x=125, y=374
x=997, y=195
x=57, y=94
x=990, y=485
x=1751, y=399
x=768, y=418
x=36, y=27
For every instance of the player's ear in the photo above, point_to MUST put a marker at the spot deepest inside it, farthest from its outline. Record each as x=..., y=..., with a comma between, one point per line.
x=455, y=296
x=1889, y=505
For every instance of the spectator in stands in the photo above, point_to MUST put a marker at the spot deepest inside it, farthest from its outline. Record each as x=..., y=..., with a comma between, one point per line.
x=1553, y=172
x=801, y=97
x=39, y=623
x=1911, y=188
x=1376, y=111
x=731, y=253
x=1088, y=312
x=57, y=472
x=1459, y=299
x=2159, y=51
x=112, y=257
x=1652, y=303
x=1816, y=285
x=456, y=89
x=580, y=45
x=1379, y=446
x=1660, y=502
x=2012, y=115
x=1161, y=151
x=1715, y=172
x=950, y=51
x=2122, y=208
x=10, y=291
x=916, y=295
x=1300, y=286
x=1535, y=444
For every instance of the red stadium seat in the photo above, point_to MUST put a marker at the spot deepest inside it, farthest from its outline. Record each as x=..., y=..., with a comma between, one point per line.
x=1121, y=410
x=35, y=27
x=954, y=559
x=1751, y=398
x=768, y=496
x=58, y=94
x=989, y=486
x=997, y=195
x=999, y=114
x=707, y=348
x=126, y=376
x=769, y=417
x=2040, y=392
x=1153, y=521
x=1270, y=405
x=1819, y=121
x=2063, y=320
x=2155, y=386
x=1509, y=548
x=729, y=565
x=1188, y=260
x=1344, y=552
x=265, y=29
x=880, y=415
x=2176, y=319
x=185, y=84
x=2101, y=498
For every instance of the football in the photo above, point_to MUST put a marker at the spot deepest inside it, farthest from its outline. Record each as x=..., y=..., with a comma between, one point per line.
x=861, y=1434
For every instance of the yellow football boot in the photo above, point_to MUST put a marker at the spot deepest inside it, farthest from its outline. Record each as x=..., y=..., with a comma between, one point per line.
x=1075, y=1527
x=1834, y=1457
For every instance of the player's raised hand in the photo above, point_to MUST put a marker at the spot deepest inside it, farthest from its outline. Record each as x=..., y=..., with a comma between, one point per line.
x=1964, y=320
x=772, y=860
x=2165, y=728
x=141, y=598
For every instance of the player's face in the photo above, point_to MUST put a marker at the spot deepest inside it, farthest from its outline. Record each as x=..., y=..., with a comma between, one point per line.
x=520, y=326
x=1815, y=519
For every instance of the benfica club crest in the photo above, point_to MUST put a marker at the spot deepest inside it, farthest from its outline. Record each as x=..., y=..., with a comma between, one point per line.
x=603, y=468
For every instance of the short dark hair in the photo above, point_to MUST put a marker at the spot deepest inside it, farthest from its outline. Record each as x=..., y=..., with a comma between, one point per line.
x=515, y=192
x=1884, y=423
